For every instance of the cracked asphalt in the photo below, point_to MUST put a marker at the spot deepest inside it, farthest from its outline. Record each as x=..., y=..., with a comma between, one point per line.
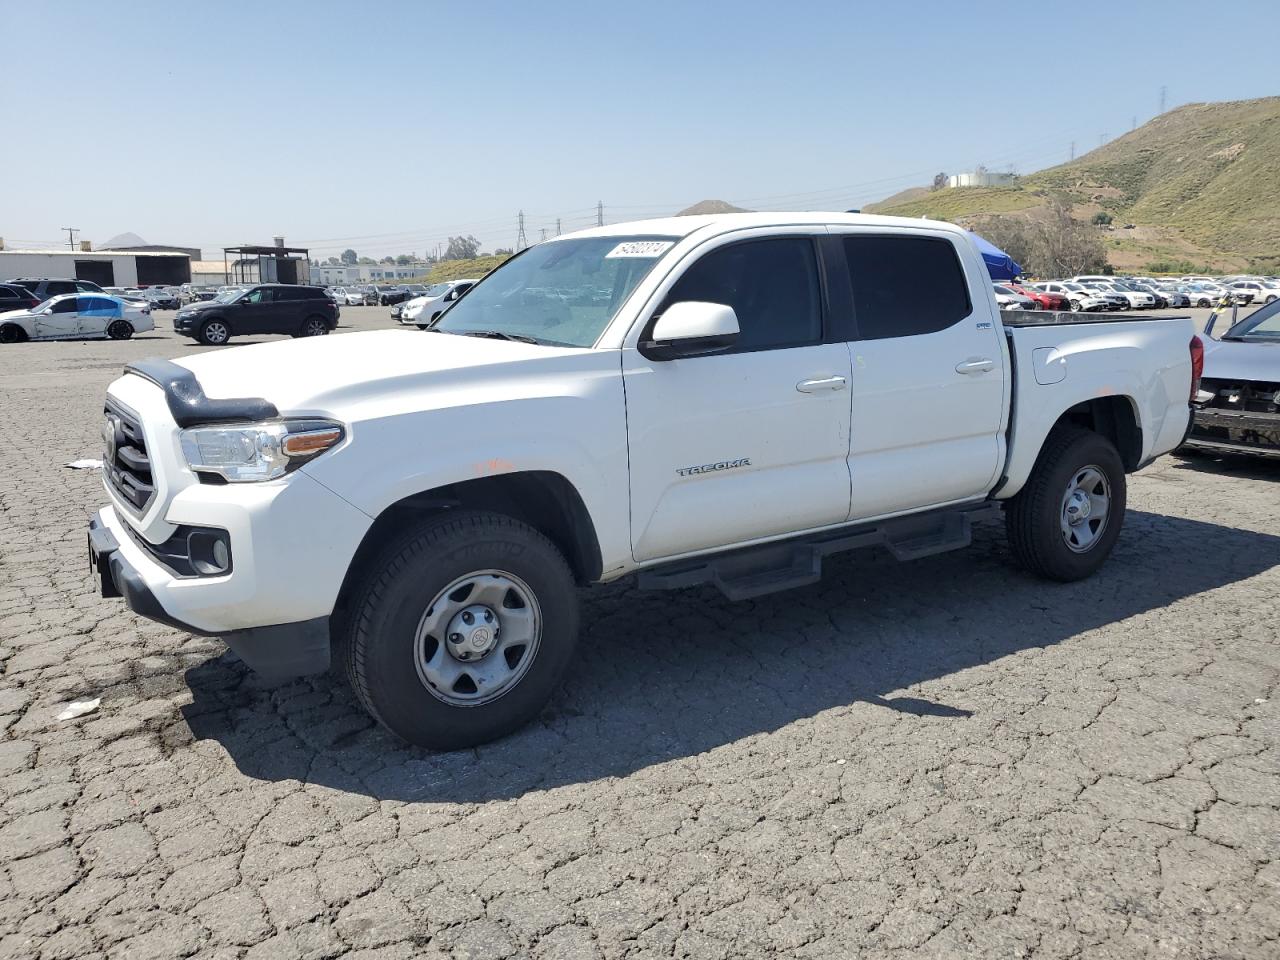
x=941, y=759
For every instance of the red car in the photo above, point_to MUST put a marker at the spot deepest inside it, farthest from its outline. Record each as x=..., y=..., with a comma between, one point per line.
x=1044, y=301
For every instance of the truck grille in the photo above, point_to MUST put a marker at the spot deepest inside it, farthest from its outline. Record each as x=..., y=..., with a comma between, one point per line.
x=125, y=463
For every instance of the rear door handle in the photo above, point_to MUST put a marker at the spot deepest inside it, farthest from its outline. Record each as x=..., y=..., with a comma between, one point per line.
x=824, y=383
x=975, y=365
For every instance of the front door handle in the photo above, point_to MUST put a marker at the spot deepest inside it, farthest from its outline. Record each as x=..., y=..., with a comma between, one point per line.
x=824, y=383
x=975, y=365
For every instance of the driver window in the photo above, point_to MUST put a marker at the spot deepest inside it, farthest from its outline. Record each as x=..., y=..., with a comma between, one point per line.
x=64, y=306
x=258, y=296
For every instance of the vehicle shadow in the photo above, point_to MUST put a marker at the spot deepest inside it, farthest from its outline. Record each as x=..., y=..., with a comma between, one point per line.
x=1241, y=465
x=662, y=676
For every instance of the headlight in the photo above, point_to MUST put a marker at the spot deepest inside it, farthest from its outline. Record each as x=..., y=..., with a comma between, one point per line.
x=258, y=451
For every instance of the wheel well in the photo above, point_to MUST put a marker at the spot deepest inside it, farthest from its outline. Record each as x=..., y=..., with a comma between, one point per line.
x=546, y=501
x=1115, y=419
x=19, y=333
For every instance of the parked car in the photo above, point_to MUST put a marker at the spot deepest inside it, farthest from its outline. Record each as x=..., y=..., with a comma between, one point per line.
x=16, y=297
x=1009, y=299
x=162, y=298
x=1079, y=297
x=420, y=311
x=1237, y=408
x=347, y=297
x=389, y=295
x=1210, y=294
x=1115, y=299
x=428, y=505
x=202, y=294
x=76, y=316
x=44, y=288
x=1131, y=298
x=1260, y=290
x=368, y=294
x=1043, y=298
x=267, y=308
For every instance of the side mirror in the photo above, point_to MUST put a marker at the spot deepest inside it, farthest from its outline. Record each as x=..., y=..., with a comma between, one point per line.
x=691, y=328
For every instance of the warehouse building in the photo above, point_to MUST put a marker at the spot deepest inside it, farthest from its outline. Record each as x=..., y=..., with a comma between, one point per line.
x=105, y=268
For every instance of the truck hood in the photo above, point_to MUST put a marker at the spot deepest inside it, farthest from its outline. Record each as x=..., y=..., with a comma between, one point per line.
x=1233, y=360
x=329, y=374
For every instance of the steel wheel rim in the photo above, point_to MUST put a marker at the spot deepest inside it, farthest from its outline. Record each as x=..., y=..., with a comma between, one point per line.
x=215, y=332
x=1086, y=508
x=499, y=659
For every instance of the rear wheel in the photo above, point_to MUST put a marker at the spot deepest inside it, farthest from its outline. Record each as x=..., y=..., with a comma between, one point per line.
x=462, y=630
x=314, y=327
x=120, y=330
x=12, y=333
x=214, y=333
x=1064, y=522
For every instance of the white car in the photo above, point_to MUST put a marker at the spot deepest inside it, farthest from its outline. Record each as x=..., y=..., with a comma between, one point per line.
x=1264, y=291
x=1008, y=299
x=77, y=316
x=347, y=297
x=677, y=399
x=1079, y=297
x=420, y=311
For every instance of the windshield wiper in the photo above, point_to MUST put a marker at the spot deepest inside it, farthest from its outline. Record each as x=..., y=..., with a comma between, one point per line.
x=501, y=335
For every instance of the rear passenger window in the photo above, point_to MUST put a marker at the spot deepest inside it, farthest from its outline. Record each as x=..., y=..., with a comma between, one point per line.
x=905, y=286
x=771, y=284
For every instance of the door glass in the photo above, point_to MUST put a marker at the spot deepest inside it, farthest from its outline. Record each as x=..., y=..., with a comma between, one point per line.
x=905, y=286
x=771, y=284
x=64, y=306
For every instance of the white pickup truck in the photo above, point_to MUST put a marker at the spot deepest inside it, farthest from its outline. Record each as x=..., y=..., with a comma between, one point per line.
x=722, y=400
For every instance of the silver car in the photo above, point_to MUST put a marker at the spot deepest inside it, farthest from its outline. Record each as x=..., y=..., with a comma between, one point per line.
x=1238, y=404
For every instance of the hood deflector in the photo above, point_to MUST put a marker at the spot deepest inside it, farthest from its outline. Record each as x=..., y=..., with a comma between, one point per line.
x=186, y=399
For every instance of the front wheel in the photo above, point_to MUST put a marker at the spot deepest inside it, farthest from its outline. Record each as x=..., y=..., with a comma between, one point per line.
x=462, y=630
x=214, y=333
x=1075, y=306
x=1064, y=522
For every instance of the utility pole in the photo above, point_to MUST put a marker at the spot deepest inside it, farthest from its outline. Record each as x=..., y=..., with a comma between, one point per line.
x=1133, y=124
x=557, y=226
x=1073, y=149
x=1163, y=91
x=600, y=213
x=521, y=240
x=544, y=234
x=71, y=238
x=1102, y=138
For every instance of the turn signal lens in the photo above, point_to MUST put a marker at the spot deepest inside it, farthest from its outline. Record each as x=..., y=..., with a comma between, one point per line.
x=310, y=443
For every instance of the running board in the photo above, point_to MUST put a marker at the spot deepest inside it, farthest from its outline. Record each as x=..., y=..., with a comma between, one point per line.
x=756, y=571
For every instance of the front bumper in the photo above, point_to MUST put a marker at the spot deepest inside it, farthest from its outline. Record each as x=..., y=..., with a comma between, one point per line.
x=276, y=651
x=1236, y=431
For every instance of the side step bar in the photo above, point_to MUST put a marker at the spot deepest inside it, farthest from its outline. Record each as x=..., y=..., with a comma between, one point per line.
x=755, y=571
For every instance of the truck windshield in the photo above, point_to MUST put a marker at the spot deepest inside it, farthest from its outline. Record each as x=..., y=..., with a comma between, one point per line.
x=562, y=292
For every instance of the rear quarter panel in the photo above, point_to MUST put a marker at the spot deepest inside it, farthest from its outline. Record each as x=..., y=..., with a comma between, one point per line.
x=1147, y=362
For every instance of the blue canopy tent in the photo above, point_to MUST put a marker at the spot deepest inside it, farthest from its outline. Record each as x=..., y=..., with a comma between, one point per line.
x=1000, y=265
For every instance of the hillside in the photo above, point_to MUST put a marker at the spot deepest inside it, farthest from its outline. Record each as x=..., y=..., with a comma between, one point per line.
x=460, y=269
x=710, y=206
x=1199, y=184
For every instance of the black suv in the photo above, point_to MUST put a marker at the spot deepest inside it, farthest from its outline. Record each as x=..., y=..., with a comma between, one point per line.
x=14, y=296
x=43, y=288
x=266, y=308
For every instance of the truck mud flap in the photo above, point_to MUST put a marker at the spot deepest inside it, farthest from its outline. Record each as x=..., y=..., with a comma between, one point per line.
x=755, y=571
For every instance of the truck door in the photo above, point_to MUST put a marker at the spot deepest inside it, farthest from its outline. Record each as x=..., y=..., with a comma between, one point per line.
x=747, y=444
x=929, y=383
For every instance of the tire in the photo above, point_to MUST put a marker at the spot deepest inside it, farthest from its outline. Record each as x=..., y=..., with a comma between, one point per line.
x=214, y=333
x=400, y=656
x=314, y=327
x=1271, y=298
x=12, y=333
x=1075, y=306
x=434, y=316
x=1044, y=537
x=120, y=330
x=1203, y=303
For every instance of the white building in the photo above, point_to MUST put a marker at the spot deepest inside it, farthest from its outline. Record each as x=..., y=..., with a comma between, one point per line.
x=154, y=268
x=981, y=178
x=328, y=275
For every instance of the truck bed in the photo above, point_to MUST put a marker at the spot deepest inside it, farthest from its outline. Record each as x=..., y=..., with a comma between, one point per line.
x=1048, y=318
x=1045, y=318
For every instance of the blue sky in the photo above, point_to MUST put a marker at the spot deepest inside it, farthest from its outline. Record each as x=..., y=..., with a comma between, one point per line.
x=389, y=126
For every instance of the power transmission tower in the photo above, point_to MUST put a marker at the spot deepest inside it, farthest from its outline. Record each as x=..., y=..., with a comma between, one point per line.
x=521, y=240
x=557, y=226
x=1073, y=149
x=1133, y=124
x=544, y=234
x=71, y=238
x=600, y=213
x=1102, y=138
x=1163, y=91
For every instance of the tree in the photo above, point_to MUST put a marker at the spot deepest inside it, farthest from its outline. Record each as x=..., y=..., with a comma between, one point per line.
x=366, y=261
x=503, y=252
x=404, y=259
x=391, y=260
x=333, y=262
x=1055, y=245
x=349, y=257
x=939, y=181
x=462, y=248
x=1101, y=219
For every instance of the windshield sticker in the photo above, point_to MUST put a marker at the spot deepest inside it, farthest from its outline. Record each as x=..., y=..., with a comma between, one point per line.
x=640, y=248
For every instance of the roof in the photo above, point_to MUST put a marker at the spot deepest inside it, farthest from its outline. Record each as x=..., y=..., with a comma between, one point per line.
x=684, y=226
x=82, y=254
x=265, y=249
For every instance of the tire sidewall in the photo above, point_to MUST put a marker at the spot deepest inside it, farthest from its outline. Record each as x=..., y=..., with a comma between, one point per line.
x=120, y=330
x=214, y=343
x=1088, y=449
x=389, y=618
